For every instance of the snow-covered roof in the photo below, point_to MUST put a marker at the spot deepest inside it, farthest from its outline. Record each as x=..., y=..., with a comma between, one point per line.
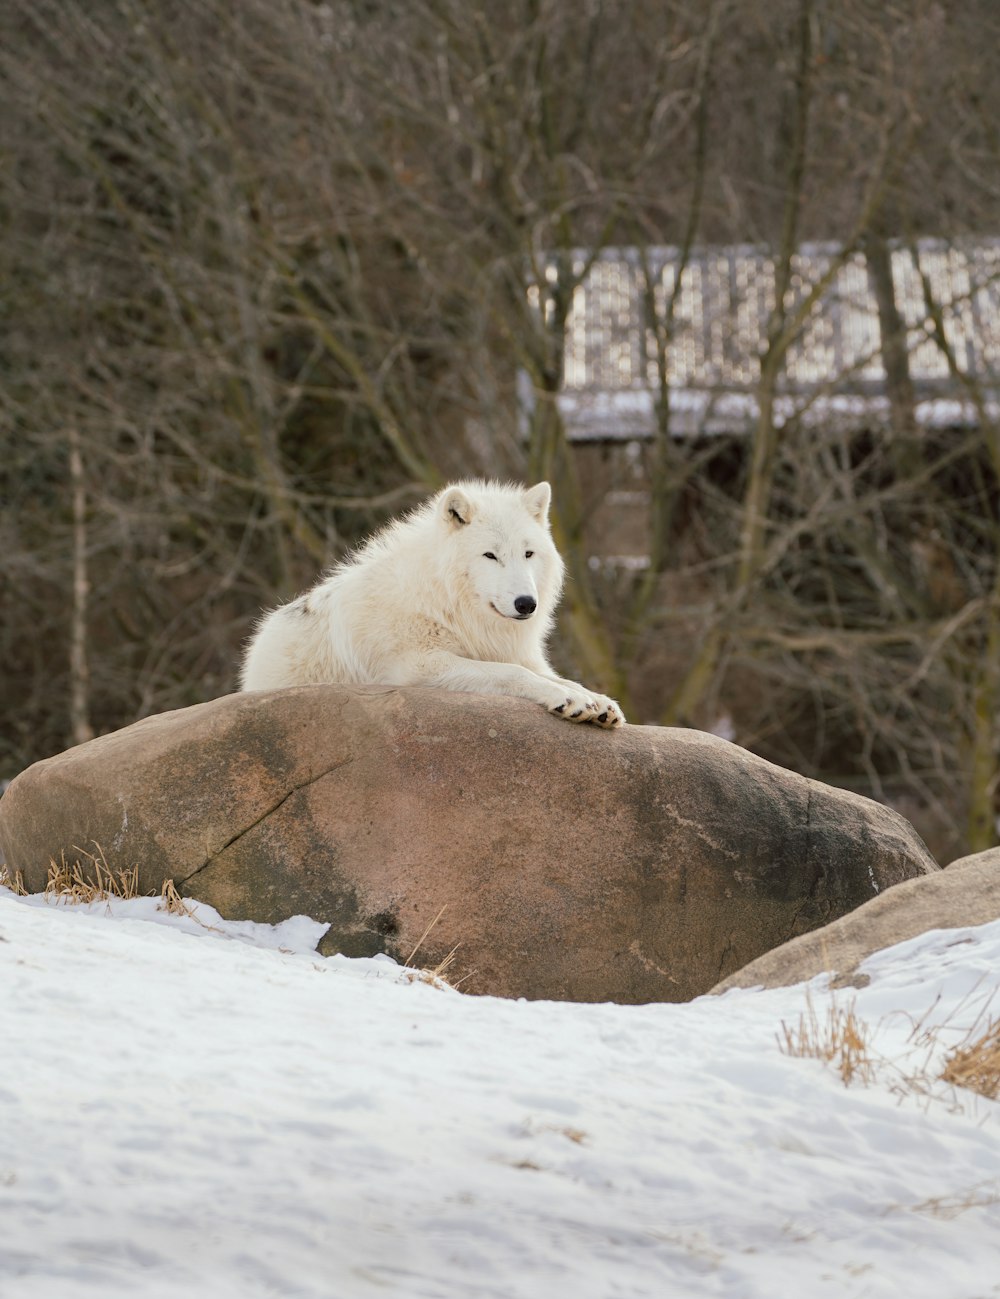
x=833, y=369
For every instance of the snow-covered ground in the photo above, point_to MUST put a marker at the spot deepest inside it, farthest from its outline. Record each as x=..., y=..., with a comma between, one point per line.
x=220, y=1113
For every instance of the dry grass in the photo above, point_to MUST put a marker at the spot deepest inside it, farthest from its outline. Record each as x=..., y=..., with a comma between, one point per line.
x=947, y=1207
x=441, y=969
x=846, y=1043
x=839, y=1039
x=13, y=882
x=172, y=902
x=175, y=905
x=975, y=1064
x=98, y=882
x=94, y=882
x=91, y=879
x=420, y=940
x=437, y=975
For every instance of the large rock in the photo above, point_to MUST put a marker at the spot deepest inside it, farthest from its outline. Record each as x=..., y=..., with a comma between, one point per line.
x=966, y=893
x=561, y=861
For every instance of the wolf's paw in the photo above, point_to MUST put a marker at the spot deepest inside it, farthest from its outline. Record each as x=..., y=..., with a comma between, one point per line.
x=610, y=714
x=580, y=705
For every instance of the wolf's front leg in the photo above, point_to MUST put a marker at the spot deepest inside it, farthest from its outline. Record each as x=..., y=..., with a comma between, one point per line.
x=566, y=699
x=578, y=703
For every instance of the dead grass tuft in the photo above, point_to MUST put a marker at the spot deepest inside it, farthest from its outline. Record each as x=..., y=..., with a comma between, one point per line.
x=839, y=1039
x=420, y=940
x=441, y=969
x=94, y=882
x=173, y=904
x=13, y=882
x=845, y=1042
x=975, y=1064
x=948, y=1207
x=437, y=975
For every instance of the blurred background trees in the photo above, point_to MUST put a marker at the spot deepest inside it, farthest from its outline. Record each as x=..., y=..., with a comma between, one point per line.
x=274, y=271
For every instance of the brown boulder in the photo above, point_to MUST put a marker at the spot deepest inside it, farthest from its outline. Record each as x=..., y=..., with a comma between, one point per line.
x=561, y=861
x=966, y=893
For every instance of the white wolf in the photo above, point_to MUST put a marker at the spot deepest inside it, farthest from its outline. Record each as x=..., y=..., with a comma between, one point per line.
x=461, y=594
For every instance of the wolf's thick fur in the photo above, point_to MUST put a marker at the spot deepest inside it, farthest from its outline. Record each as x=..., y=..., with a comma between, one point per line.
x=461, y=594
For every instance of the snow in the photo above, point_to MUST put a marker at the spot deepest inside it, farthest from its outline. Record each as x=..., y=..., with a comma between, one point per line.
x=196, y=1107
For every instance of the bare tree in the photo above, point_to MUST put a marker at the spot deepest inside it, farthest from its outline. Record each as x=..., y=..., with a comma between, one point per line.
x=283, y=268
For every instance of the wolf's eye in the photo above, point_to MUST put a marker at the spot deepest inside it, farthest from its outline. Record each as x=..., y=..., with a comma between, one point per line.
x=489, y=555
x=528, y=554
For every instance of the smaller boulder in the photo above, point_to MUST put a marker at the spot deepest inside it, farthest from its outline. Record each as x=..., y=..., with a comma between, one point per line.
x=991, y=857
x=966, y=893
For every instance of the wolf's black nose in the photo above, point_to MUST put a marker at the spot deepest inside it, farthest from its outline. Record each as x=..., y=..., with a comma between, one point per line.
x=525, y=605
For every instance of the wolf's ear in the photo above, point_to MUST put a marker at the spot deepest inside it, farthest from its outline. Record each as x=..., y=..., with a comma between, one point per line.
x=537, y=499
x=456, y=508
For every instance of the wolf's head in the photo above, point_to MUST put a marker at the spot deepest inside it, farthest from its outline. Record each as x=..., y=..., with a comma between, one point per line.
x=499, y=538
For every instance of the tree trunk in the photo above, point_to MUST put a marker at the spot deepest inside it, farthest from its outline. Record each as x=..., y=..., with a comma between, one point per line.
x=80, y=727
x=894, y=353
